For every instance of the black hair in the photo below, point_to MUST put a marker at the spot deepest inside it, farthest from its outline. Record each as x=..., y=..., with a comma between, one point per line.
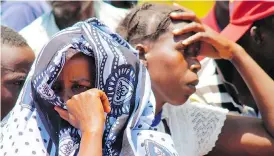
x=146, y=22
x=266, y=22
x=12, y=38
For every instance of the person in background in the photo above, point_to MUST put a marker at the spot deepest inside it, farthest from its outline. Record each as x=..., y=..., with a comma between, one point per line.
x=16, y=60
x=75, y=66
x=65, y=14
x=251, y=26
x=122, y=4
x=19, y=14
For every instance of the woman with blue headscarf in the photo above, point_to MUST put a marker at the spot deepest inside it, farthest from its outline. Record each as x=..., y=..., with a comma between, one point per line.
x=76, y=60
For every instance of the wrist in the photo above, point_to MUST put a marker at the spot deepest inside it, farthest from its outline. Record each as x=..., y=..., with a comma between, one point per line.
x=236, y=53
x=91, y=133
x=93, y=129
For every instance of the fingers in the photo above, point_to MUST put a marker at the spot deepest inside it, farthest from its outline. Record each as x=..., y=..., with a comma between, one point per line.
x=183, y=16
x=191, y=27
x=105, y=102
x=63, y=113
x=200, y=36
x=186, y=15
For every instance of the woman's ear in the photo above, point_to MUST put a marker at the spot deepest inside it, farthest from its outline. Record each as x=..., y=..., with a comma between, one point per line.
x=142, y=53
x=256, y=35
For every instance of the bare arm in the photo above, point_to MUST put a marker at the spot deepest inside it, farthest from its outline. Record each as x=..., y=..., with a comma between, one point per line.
x=243, y=136
x=259, y=83
x=240, y=135
x=91, y=144
x=86, y=112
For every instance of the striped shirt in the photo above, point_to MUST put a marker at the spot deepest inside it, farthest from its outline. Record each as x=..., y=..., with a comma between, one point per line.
x=214, y=90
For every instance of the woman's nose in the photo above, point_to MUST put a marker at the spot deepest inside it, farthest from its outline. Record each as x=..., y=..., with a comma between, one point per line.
x=195, y=65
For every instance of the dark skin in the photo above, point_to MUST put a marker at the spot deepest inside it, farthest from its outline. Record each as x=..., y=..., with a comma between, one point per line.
x=67, y=13
x=85, y=106
x=15, y=65
x=257, y=41
x=181, y=63
x=240, y=135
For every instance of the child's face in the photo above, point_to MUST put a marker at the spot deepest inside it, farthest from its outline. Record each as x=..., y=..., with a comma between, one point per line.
x=15, y=65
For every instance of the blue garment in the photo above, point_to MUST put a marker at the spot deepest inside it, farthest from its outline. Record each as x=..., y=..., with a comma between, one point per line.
x=18, y=14
x=157, y=119
x=119, y=74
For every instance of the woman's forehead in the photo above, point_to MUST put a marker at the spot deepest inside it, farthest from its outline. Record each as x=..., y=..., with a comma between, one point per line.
x=168, y=35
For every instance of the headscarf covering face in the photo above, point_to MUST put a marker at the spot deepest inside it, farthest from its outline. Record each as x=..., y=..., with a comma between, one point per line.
x=34, y=128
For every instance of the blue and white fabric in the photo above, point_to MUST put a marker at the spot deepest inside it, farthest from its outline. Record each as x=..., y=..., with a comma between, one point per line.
x=34, y=128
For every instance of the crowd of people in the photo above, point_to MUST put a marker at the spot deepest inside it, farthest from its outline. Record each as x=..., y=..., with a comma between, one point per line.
x=122, y=78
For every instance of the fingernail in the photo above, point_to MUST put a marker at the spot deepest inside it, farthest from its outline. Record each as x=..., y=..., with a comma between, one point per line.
x=176, y=31
x=173, y=14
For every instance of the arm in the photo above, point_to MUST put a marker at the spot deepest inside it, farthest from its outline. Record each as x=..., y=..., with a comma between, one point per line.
x=251, y=136
x=91, y=144
x=86, y=112
x=240, y=135
x=259, y=83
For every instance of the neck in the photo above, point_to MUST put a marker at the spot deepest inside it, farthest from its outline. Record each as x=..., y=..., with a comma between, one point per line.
x=159, y=101
x=65, y=21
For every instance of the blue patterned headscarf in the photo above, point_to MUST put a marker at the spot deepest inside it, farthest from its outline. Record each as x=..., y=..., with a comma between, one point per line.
x=34, y=128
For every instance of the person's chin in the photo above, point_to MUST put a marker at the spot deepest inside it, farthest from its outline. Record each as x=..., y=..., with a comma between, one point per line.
x=180, y=101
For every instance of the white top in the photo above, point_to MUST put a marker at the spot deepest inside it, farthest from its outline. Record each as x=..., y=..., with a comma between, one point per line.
x=39, y=32
x=194, y=127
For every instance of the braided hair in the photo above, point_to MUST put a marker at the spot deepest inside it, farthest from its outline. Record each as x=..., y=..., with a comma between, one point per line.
x=146, y=22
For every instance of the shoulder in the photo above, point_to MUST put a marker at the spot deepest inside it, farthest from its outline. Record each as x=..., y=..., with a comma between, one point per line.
x=37, y=29
x=194, y=126
x=34, y=26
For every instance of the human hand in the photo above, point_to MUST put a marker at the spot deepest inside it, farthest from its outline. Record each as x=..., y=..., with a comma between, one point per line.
x=213, y=44
x=85, y=111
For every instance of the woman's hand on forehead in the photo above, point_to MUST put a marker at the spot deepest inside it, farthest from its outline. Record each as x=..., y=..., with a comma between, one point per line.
x=213, y=45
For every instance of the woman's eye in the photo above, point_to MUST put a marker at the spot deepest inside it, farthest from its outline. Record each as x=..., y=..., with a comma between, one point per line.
x=80, y=87
x=192, y=51
x=18, y=83
x=56, y=88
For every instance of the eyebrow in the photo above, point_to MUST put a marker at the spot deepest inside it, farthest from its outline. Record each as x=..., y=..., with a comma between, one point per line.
x=8, y=69
x=80, y=80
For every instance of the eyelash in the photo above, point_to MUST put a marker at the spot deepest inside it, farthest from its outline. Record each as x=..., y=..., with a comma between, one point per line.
x=18, y=83
x=77, y=86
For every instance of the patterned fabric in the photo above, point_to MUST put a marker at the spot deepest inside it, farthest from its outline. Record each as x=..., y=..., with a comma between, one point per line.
x=194, y=126
x=214, y=90
x=34, y=127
